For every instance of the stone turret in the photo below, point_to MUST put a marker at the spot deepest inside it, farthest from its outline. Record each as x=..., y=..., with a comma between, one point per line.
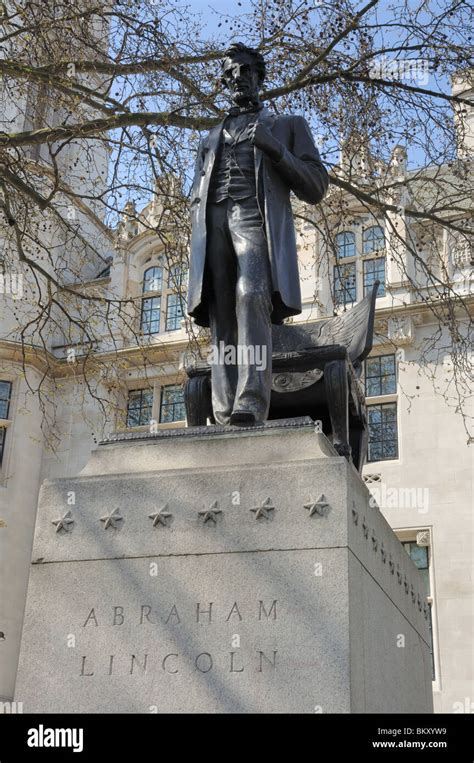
x=462, y=84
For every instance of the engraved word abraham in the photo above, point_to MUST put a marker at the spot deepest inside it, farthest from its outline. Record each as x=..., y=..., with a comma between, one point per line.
x=172, y=662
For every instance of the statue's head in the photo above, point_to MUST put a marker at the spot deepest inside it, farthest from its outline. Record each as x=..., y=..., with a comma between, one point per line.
x=243, y=72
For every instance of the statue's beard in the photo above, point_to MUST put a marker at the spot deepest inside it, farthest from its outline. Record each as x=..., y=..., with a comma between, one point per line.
x=244, y=97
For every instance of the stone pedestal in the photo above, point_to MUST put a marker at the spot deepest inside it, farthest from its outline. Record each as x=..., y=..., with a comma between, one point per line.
x=214, y=571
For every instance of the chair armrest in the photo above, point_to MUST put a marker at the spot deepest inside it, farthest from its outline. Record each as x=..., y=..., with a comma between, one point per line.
x=299, y=360
x=308, y=359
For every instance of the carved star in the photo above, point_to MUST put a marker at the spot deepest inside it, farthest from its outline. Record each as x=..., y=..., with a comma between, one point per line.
x=355, y=516
x=365, y=529
x=160, y=517
x=391, y=564
x=111, y=519
x=405, y=583
x=383, y=553
x=413, y=595
x=399, y=575
x=263, y=510
x=418, y=601
x=375, y=543
x=210, y=514
x=63, y=522
x=321, y=506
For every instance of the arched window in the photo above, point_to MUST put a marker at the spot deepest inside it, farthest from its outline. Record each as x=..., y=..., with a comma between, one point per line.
x=153, y=279
x=345, y=244
x=373, y=239
x=151, y=302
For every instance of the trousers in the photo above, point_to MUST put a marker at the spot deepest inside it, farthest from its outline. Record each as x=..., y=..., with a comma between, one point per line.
x=240, y=308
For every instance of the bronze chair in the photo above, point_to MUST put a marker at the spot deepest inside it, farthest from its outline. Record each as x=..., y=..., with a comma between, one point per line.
x=316, y=372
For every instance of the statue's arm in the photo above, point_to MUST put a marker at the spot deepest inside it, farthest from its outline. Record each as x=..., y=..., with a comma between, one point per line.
x=302, y=168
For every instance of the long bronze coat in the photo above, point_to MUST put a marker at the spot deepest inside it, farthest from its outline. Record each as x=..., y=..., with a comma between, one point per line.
x=299, y=170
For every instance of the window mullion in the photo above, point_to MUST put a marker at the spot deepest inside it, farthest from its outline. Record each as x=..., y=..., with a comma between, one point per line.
x=155, y=412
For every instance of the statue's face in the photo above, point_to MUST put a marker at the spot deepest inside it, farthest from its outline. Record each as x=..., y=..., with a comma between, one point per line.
x=241, y=77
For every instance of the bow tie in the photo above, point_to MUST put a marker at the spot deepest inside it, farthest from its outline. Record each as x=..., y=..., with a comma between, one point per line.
x=236, y=110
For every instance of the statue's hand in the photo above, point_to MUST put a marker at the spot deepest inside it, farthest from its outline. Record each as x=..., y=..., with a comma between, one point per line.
x=263, y=139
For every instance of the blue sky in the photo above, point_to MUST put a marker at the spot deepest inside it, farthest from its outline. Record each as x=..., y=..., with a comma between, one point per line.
x=212, y=14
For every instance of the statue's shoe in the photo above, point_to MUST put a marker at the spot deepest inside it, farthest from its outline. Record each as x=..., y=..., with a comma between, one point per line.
x=242, y=417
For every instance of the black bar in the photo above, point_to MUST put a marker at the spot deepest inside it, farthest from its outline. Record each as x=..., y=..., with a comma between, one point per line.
x=136, y=737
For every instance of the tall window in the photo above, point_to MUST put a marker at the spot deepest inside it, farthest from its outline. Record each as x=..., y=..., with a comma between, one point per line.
x=420, y=556
x=5, y=397
x=174, y=312
x=359, y=263
x=345, y=244
x=176, y=303
x=345, y=287
x=374, y=270
x=177, y=276
x=139, y=408
x=151, y=305
x=163, y=302
x=383, y=432
x=373, y=239
x=172, y=404
x=380, y=376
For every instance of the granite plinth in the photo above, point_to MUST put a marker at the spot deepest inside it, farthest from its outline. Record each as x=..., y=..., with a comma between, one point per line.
x=221, y=571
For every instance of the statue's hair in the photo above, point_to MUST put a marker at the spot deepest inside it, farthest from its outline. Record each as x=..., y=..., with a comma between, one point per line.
x=239, y=47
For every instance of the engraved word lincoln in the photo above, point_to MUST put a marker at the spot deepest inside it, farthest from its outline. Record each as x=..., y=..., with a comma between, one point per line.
x=243, y=262
x=160, y=655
